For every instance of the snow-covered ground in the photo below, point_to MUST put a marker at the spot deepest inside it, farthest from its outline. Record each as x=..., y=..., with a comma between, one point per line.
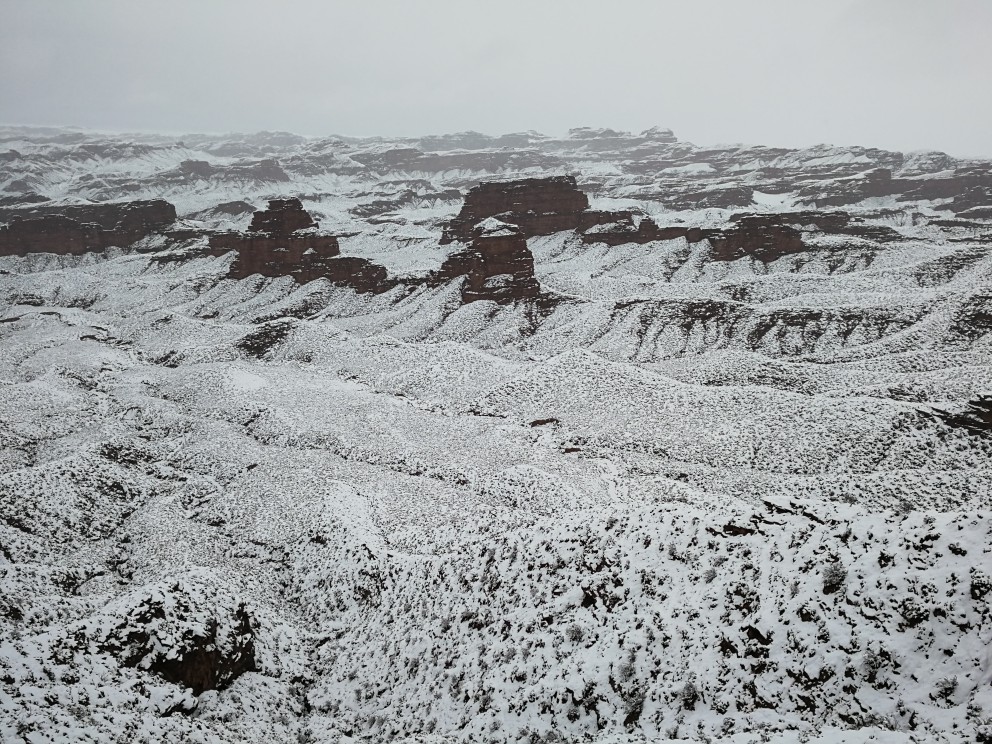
x=695, y=499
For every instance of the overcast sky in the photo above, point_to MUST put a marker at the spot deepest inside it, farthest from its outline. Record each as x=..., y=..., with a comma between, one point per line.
x=901, y=74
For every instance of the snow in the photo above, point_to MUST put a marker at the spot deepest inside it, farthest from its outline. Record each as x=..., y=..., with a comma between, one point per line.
x=693, y=499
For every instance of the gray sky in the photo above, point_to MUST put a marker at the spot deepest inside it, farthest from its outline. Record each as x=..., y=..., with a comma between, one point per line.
x=901, y=74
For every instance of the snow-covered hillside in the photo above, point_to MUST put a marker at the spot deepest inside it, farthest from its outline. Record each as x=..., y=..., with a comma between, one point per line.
x=704, y=455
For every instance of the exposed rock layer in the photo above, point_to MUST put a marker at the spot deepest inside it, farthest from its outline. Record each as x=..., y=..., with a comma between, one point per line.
x=77, y=229
x=537, y=206
x=283, y=216
x=498, y=266
x=281, y=242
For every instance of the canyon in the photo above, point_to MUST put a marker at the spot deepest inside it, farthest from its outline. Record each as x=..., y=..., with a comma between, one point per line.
x=517, y=438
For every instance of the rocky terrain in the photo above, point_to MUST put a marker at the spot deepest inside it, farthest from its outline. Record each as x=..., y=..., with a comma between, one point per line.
x=604, y=437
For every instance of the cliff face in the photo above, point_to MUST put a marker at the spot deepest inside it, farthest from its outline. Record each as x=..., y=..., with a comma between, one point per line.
x=281, y=241
x=283, y=216
x=81, y=228
x=412, y=160
x=498, y=265
x=263, y=171
x=537, y=206
x=55, y=234
x=299, y=256
x=764, y=237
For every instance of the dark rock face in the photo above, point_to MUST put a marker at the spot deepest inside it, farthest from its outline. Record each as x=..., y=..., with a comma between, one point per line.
x=196, y=169
x=966, y=187
x=299, y=256
x=764, y=237
x=767, y=237
x=206, y=665
x=76, y=229
x=724, y=198
x=500, y=268
x=408, y=196
x=231, y=209
x=975, y=416
x=981, y=212
x=412, y=160
x=261, y=171
x=53, y=234
x=281, y=242
x=265, y=337
x=537, y=206
x=974, y=198
x=22, y=195
x=282, y=217
x=618, y=228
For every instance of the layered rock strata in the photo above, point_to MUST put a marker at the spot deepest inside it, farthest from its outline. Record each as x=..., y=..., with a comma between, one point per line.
x=536, y=206
x=283, y=241
x=498, y=266
x=81, y=228
x=764, y=237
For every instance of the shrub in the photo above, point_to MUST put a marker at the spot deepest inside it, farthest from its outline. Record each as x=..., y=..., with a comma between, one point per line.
x=689, y=695
x=945, y=689
x=834, y=577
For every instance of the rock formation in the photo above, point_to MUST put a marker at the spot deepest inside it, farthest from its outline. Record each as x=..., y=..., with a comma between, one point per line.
x=282, y=217
x=537, y=206
x=261, y=171
x=282, y=241
x=618, y=228
x=764, y=237
x=80, y=228
x=191, y=632
x=498, y=265
x=225, y=210
x=412, y=160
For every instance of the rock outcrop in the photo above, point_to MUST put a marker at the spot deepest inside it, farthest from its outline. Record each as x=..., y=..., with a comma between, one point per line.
x=537, y=206
x=764, y=237
x=412, y=160
x=283, y=241
x=618, y=228
x=80, y=228
x=975, y=416
x=282, y=217
x=262, y=171
x=192, y=632
x=498, y=265
x=225, y=210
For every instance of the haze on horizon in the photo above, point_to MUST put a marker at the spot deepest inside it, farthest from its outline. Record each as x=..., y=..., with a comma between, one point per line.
x=897, y=74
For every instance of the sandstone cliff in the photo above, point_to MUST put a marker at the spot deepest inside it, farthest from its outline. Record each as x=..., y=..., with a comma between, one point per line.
x=498, y=265
x=282, y=241
x=81, y=228
x=537, y=206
